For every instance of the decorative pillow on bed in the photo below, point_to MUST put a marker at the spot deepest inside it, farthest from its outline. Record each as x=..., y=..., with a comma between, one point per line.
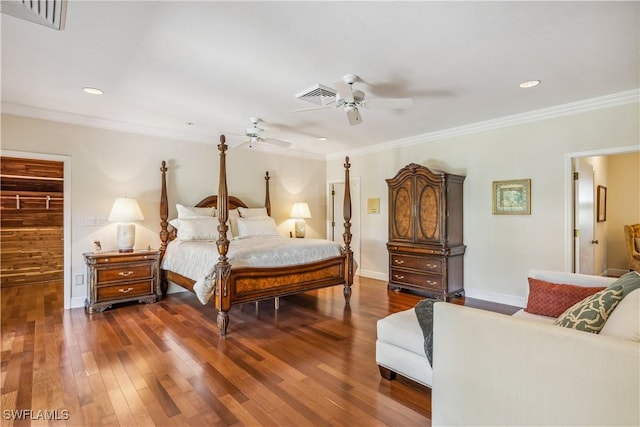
x=552, y=299
x=185, y=212
x=202, y=228
x=257, y=226
x=233, y=222
x=252, y=212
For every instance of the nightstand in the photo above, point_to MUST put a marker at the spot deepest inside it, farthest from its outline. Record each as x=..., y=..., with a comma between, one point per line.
x=115, y=277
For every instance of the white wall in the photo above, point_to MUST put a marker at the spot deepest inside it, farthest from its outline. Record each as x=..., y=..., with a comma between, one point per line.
x=108, y=164
x=500, y=248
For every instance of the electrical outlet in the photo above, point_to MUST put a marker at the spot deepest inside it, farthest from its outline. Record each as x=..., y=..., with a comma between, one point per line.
x=80, y=279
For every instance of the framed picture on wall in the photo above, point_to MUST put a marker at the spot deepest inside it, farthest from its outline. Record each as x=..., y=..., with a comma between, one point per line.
x=512, y=197
x=601, y=210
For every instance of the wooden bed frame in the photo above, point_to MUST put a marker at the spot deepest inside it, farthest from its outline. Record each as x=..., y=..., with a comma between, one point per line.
x=249, y=284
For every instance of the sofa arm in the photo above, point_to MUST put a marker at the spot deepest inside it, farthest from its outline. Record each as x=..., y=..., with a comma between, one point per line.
x=493, y=369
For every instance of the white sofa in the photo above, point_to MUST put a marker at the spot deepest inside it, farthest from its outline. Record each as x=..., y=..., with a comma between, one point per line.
x=493, y=369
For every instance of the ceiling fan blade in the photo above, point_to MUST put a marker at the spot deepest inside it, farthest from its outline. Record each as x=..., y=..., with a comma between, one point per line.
x=354, y=117
x=344, y=90
x=277, y=142
x=387, y=103
x=313, y=109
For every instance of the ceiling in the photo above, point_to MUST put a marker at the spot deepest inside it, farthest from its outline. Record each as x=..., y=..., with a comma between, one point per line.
x=193, y=70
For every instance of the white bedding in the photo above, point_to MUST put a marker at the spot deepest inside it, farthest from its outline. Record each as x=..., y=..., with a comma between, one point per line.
x=196, y=259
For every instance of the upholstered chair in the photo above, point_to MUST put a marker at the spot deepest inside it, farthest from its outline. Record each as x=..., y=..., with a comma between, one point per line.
x=632, y=237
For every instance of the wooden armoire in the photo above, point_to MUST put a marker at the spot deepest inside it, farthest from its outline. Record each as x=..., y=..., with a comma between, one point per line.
x=426, y=249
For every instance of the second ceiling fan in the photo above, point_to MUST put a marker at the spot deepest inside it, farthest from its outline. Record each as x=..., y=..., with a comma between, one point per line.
x=350, y=100
x=258, y=135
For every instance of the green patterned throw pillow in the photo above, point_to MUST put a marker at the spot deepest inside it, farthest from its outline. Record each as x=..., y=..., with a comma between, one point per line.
x=629, y=282
x=591, y=313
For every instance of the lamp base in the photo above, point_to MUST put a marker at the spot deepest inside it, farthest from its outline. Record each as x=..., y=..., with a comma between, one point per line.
x=126, y=237
x=299, y=229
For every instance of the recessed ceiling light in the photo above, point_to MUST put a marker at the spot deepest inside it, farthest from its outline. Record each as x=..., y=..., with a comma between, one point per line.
x=322, y=138
x=529, y=83
x=92, y=90
x=190, y=123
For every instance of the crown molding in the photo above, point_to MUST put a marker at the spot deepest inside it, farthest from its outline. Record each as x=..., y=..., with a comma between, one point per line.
x=118, y=126
x=607, y=101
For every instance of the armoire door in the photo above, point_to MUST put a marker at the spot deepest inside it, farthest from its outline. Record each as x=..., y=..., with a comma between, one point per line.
x=401, y=211
x=428, y=208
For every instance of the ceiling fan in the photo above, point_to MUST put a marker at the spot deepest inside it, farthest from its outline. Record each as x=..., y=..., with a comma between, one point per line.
x=257, y=135
x=349, y=99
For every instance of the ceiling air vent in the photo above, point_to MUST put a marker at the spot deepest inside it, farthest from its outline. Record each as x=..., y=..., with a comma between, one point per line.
x=50, y=13
x=318, y=94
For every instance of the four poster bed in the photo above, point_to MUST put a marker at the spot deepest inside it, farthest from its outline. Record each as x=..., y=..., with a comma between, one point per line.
x=231, y=276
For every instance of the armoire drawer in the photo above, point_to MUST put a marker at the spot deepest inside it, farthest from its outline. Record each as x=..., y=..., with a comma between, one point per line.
x=415, y=279
x=421, y=263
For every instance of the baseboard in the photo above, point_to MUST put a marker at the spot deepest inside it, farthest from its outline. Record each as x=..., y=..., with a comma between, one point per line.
x=174, y=289
x=374, y=275
x=495, y=297
x=77, y=302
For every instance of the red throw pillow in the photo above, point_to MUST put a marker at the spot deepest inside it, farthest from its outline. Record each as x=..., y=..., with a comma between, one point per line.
x=551, y=299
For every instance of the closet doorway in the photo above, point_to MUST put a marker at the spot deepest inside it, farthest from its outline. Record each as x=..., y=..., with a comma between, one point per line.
x=32, y=221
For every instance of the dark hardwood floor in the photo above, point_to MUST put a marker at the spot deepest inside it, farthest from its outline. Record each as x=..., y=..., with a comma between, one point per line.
x=312, y=362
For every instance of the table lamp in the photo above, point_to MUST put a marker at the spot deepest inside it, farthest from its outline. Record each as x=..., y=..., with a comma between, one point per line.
x=124, y=212
x=300, y=212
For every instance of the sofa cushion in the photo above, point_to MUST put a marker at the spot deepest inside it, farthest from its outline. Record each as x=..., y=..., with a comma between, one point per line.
x=402, y=330
x=591, y=313
x=624, y=322
x=553, y=299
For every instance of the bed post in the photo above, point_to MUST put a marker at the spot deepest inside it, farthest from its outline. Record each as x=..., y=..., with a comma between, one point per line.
x=164, y=233
x=346, y=209
x=267, y=198
x=223, y=268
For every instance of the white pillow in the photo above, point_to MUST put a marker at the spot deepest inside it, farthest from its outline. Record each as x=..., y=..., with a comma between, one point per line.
x=175, y=223
x=257, y=226
x=252, y=212
x=185, y=212
x=624, y=321
x=233, y=222
x=202, y=228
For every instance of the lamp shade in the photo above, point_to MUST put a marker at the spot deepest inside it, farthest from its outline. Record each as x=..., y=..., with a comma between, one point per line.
x=300, y=210
x=125, y=210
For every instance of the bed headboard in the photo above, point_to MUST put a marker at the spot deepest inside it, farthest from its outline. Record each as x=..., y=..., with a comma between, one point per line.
x=212, y=202
x=233, y=202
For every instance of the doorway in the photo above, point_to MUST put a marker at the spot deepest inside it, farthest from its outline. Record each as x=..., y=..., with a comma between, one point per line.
x=65, y=161
x=32, y=200
x=581, y=247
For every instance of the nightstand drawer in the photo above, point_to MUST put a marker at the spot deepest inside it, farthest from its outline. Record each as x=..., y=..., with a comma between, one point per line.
x=416, y=280
x=129, y=272
x=423, y=263
x=124, y=290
